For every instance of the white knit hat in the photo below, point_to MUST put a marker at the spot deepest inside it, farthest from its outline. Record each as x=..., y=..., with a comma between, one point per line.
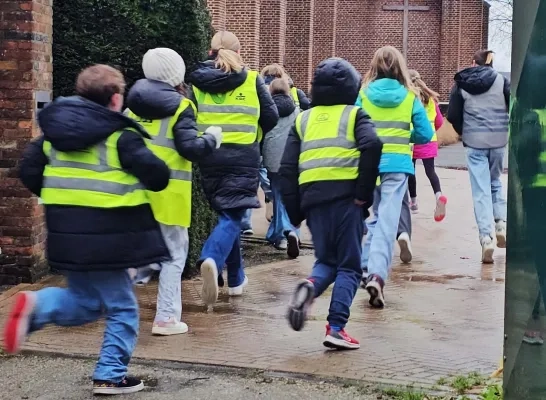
x=164, y=65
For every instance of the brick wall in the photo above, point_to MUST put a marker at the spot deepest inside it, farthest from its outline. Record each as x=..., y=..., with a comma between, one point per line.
x=299, y=41
x=25, y=68
x=217, y=9
x=272, y=32
x=243, y=19
x=324, y=30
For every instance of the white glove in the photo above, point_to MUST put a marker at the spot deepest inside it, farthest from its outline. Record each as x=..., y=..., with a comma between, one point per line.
x=215, y=131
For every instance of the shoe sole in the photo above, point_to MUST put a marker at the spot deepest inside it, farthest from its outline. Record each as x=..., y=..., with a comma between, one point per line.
x=501, y=241
x=209, y=291
x=405, y=252
x=339, y=344
x=248, y=233
x=376, y=298
x=16, y=329
x=297, y=311
x=440, y=211
x=293, y=248
x=114, y=391
x=238, y=294
x=158, y=331
x=487, y=257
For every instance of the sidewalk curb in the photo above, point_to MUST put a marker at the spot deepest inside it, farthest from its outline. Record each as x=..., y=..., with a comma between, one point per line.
x=261, y=240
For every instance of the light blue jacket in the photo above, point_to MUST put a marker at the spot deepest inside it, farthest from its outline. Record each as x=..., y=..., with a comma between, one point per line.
x=389, y=93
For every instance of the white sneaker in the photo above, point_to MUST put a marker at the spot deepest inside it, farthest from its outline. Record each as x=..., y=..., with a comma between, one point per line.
x=209, y=273
x=269, y=211
x=282, y=244
x=404, y=242
x=500, y=233
x=238, y=290
x=488, y=247
x=169, y=327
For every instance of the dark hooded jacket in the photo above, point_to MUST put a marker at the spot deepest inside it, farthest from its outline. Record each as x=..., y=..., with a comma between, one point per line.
x=335, y=82
x=157, y=100
x=230, y=174
x=88, y=238
x=302, y=98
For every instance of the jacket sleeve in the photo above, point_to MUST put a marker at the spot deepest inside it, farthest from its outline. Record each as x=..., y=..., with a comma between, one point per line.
x=439, y=120
x=506, y=92
x=269, y=115
x=288, y=178
x=455, y=109
x=370, y=147
x=138, y=160
x=359, y=101
x=528, y=147
x=186, y=140
x=303, y=99
x=422, y=130
x=32, y=165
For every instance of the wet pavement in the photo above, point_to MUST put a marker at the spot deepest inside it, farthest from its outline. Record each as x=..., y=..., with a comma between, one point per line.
x=444, y=312
x=454, y=157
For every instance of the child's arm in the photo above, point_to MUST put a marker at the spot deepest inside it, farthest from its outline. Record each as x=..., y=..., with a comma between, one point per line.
x=439, y=120
x=370, y=147
x=422, y=130
x=269, y=115
x=305, y=104
x=32, y=165
x=138, y=160
x=288, y=178
x=359, y=101
x=455, y=109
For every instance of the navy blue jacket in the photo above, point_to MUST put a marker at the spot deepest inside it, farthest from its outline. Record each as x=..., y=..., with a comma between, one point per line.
x=335, y=82
x=88, y=238
x=230, y=174
x=305, y=104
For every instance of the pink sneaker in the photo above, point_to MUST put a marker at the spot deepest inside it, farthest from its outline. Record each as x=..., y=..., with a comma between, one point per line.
x=340, y=340
x=17, y=325
x=440, y=211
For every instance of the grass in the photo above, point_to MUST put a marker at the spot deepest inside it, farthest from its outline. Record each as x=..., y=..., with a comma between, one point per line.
x=462, y=383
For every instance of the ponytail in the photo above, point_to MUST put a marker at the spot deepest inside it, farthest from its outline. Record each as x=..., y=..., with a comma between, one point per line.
x=484, y=58
x=225, y=48
x=425, y=93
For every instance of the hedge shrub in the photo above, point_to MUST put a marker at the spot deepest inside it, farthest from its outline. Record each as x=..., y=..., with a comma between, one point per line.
x=119, y=32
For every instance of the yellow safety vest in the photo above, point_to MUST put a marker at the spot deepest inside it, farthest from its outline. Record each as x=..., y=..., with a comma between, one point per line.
x=90, y=178
x=237, y=112
x=171, y=206
x=328, y=149
x=431, y=114
x=294, y=93
x=540, y=178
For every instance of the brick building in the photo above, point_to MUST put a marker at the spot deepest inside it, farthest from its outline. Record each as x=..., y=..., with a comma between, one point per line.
x=441, y=35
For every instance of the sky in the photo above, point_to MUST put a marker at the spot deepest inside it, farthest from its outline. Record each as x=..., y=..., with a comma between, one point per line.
x=500, y=44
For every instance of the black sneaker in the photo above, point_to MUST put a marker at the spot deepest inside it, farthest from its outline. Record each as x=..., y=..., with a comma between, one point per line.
x=375, y=287
x=303, y=297
x=293, y=246
x=126, y=386
x=365, y=275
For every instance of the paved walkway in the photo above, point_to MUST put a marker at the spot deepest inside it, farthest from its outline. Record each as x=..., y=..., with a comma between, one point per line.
x=444, y=313
x=454, y=157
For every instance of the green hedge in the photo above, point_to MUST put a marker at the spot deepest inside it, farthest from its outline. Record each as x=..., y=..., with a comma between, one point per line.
x=119, y=32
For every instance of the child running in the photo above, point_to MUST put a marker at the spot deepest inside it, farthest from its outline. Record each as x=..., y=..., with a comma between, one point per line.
x=328, y=174
x=393, y=104
x=429, y=151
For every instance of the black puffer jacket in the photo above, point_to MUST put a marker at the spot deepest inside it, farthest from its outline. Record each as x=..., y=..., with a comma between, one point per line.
x=302, y=97
x=230, y=174
x=89, y=238
x=335, y=82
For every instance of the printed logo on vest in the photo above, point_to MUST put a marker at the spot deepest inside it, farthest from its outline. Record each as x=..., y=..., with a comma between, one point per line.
x=240, y=97
x=323, y=117
x=218, y=98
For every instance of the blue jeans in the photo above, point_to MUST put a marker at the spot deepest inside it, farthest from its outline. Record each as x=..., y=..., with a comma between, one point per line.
x=383, y=226
x=485, y=168
x=224, y=246
x=280, y=222
x=89, y=296
x=266, y=187
x=337, y=232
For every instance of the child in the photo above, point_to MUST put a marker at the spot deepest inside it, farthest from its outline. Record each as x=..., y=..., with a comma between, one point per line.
x=92, y=170
x=428, y=152
x=274, y=71
x=393, y=104
x=328, y=174
x=281, y=233
x=159, y=104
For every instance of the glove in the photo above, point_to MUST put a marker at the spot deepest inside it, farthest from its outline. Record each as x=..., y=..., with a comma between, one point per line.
x=216, y=132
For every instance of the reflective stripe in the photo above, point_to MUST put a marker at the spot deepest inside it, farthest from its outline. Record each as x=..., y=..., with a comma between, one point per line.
x=394, y=139
x=180, y=175
x=329, y=162
x=230, y=128
x=101, y=167
x=339, y=141
x=94, y=185
x=392, y=125
x=228, y=109
x=161, y=139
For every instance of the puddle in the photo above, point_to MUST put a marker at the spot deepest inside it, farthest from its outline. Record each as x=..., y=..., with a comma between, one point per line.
x=409, y=277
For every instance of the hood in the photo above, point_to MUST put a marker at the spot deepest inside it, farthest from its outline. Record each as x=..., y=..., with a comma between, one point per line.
x=74, y=123
x=285, y=104
x=210, y=79
x=335, y=81
x=386, y=92
x=476, y=80
x=153, y=99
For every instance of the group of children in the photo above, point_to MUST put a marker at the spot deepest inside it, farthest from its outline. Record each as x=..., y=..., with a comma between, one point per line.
x=117, y=187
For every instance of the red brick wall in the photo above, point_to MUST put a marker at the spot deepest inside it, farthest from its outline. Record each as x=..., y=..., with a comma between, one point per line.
x=25, y=67
x=243, y=19
x=299, y=41
x=217, y=9
x=324, y=30
x=272, y=32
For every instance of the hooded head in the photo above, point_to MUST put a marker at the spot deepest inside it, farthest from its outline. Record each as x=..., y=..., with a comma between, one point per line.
x=164, y=65
x=335, y=81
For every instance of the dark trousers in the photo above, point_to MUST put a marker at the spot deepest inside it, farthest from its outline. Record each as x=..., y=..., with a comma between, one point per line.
x=337, y=231
x=432, y=176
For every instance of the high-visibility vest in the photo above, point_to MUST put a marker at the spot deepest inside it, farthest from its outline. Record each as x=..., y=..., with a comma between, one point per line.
x=393, y=125
x=294, y=93
x=92, y=177
x=237, y=112
x=171, y=206
x=431, y=115
x=540, y=178
x=328, y=149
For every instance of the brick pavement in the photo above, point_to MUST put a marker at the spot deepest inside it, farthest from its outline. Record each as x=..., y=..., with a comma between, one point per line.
x=444, y=313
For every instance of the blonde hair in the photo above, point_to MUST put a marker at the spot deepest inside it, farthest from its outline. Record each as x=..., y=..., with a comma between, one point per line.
x=426, y=93
x=225, y=46
x=99, y=83
x=388, y=62
x=484, y=57
x=279, y=86
x=275, y=70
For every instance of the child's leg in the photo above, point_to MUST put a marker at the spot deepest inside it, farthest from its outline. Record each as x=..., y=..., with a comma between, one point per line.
x=404, y=232
x=275, y=233
x=441, y=200
x=412, y=185
x=235, y=270
x=246, y=223
x=370, y=224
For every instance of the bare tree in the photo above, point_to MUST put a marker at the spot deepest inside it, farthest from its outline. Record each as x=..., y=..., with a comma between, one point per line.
x=501, y=18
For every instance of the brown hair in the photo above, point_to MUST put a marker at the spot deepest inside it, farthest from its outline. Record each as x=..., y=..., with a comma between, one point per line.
x=225, y=47
x=484, y=57
x=388, y=62
x=99, y=83
x=425, y=92
x=279, y=86
x=275, y=70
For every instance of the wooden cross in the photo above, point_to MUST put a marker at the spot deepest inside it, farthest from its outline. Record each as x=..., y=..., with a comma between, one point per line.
x=406, y=8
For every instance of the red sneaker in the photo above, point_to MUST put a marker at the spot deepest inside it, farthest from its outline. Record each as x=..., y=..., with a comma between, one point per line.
x=440, y=211
x=16, y=328
x=340, y=340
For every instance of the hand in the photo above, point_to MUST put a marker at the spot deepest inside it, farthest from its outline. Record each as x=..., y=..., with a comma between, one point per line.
x=359, y=203
x=216, y=132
